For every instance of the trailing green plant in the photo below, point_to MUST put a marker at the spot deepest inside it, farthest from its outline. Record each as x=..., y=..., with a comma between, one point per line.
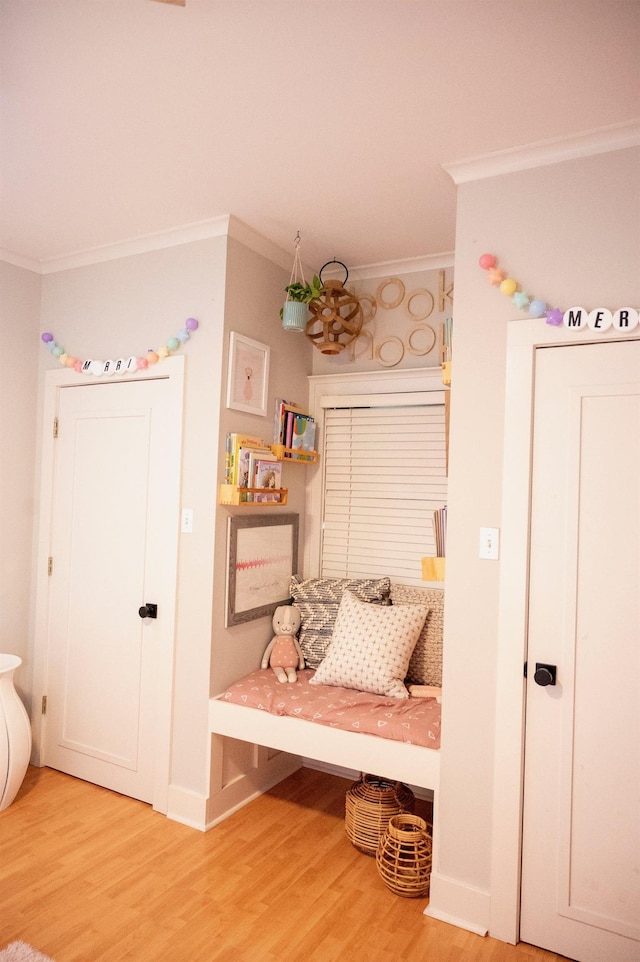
x=304, y=292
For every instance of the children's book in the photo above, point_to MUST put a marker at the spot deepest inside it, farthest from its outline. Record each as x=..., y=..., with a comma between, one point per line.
x=304, y=433
x=256, y=455
x=283, y=408
x=234, y=442
x=268, y=476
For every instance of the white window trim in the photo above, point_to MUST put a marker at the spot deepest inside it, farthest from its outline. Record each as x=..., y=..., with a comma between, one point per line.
x=404, y=382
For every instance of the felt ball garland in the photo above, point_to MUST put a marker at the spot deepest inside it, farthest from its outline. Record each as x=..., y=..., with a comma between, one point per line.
x=625, y=319
x=122, y=365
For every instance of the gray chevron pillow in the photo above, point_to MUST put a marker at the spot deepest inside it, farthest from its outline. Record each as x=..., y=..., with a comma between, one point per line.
x=319, y=599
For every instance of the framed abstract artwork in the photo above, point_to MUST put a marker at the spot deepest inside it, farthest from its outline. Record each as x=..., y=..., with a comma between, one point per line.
x=262, y=556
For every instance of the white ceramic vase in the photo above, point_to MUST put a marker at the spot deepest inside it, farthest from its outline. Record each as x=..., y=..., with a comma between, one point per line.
x=15, y=733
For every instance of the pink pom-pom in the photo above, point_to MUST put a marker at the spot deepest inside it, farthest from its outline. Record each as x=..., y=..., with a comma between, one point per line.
x=487, y=260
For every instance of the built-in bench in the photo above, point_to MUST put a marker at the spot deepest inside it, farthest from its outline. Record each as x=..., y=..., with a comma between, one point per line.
x=282, y=718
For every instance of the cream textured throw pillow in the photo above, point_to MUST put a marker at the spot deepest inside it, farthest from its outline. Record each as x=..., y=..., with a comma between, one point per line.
x=425, y=667
x=371, y=647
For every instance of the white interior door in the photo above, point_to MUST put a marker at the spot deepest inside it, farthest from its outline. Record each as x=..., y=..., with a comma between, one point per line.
x=113, y=549
x=581, y=831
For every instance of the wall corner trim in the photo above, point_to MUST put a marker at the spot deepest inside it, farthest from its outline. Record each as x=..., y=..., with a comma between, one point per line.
x=458, y=904
x=545, y=152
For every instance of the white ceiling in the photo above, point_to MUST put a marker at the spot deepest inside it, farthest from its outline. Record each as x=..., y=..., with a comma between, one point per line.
x=121, y=118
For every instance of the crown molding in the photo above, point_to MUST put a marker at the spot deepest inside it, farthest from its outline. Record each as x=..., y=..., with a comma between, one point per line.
x=9, y=257
x=546, y=152
x=410, y=265
x=229, y=226
x=201, y=230
x=225, y=226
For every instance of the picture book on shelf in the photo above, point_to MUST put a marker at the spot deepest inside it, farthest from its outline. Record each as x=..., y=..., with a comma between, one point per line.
x=294, y=429
x=283, y=409
x=268, y=475
x=238, y=449
x=245, y=457
x=304, y=433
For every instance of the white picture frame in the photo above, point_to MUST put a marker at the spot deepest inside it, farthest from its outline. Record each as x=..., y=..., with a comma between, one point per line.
x=247, y=375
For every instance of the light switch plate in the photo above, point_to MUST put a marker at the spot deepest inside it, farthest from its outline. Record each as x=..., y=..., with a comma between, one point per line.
x=489, y=544
x=186, y=526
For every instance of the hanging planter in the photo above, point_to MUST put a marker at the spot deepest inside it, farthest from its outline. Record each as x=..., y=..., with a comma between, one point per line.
x=294, y=315
x=336, y=315
x=295, y=312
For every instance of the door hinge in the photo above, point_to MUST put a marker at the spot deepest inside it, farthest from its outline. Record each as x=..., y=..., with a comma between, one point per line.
x=55, y=427
x=50, y=566
x=44, y=704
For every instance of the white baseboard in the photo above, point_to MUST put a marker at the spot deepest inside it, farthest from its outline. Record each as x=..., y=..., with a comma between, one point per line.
x=319, y=766
x=462, y=905
x=352, y=775
x=187, y=807
x=195, y=810
x=245, y=788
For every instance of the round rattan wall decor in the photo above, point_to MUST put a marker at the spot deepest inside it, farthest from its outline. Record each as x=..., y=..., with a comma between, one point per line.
x=369, y=804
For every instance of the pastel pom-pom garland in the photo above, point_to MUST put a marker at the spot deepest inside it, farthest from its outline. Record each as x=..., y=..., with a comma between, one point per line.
x=625, y=319
x=122, y=365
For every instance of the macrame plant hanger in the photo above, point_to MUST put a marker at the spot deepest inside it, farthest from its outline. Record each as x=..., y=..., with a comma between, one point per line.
x=295, y=313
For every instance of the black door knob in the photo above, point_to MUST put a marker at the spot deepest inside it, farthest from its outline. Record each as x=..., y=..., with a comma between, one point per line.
x=545, y=674
x=148, y=611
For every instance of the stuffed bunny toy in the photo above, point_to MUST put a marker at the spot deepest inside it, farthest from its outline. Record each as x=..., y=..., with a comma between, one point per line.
x=283, y=652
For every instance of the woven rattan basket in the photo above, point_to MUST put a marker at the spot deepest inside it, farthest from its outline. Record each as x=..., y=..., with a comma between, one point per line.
x=404, y=856
x=369, y=804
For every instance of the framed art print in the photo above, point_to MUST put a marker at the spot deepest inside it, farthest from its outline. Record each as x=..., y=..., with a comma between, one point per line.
x=248, y=375
x=262, y=556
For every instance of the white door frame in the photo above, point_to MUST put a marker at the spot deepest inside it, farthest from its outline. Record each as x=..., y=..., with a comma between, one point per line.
x=523, y=338
x=171, y=369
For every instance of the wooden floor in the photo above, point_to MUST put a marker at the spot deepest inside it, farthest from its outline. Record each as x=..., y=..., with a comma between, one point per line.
x=90, y=876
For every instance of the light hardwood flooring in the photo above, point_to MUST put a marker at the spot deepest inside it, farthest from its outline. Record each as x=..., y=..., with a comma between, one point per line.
x=90, y=876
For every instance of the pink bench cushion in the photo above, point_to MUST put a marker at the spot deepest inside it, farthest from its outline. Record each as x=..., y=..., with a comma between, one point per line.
x=412, y=720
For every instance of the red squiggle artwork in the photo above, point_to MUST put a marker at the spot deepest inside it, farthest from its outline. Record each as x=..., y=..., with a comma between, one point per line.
x=262, y=562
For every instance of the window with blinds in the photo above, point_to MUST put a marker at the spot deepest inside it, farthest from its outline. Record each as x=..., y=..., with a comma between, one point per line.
x=384, y=476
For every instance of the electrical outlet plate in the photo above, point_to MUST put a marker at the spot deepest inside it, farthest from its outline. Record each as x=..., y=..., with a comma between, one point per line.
x=186, y=526
x=489, y=548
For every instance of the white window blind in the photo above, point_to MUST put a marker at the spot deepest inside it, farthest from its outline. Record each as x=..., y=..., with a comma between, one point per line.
x=384, y=476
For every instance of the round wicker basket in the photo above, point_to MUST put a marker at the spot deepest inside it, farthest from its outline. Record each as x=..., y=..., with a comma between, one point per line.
x=369, y=804
x=404, y=856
